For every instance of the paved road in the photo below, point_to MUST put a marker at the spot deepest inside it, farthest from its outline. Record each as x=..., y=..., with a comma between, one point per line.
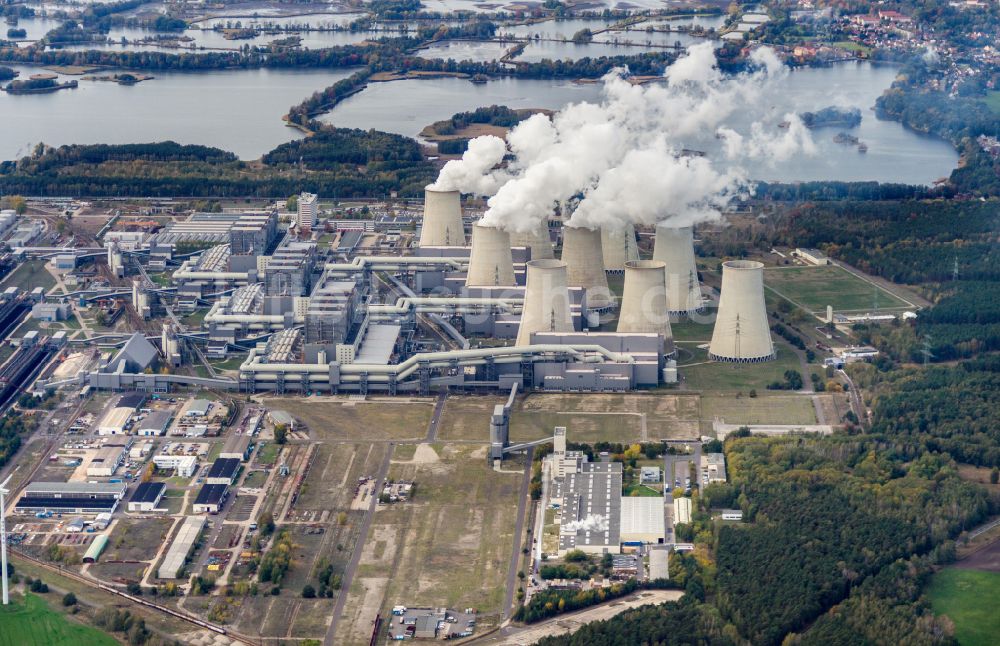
x=352, y=567
x=515, y=555
x=432, y=429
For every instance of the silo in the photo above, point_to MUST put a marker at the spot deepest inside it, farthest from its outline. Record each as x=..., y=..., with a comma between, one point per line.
x=442, y=224
x=490, y=263
x=546, y=300
x=619, y=247
x=585, y=265
x=644, y=301
x=538, y=241
x=675, y=247
x=741, y=332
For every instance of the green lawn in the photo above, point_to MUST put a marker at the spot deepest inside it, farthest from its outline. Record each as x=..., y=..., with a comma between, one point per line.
x=29, y=275
x=993, y=100
x=816, y=287
x=723, y=377
x=969, y=598
x=268, y=454
x=30, y=621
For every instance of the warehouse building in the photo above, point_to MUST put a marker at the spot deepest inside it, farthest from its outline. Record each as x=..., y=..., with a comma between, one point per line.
x=198, y=408
x=153, y=424
x=180, y=548
x=237, y=447
x=95, y=549
x=223, y=472
x=106, y=461
x=682, y=511
x=642, y=520
x=211, y=498
x=591, y=503
x=713, y=467
x=115, y=421
x=146, y=496
x=71, y=497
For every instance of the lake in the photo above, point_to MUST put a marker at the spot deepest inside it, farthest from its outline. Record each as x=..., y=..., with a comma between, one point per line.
x=236, y=110
x=241, y=111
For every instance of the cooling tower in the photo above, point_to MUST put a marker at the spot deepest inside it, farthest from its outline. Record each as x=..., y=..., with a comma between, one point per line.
x=619, y=247
x=490, y=263
x=442, y=225
x=538, y=241
x=644, y=301
x=585, y=265
x=675, y=247
x=546, y=300
x=741, y=332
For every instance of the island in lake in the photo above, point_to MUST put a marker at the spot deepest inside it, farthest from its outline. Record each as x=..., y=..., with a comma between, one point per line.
x=832, y=116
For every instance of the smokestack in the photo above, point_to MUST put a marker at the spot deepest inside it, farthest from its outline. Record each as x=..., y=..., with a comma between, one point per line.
x=490, y=263
x=546, y=300
x=644, y=301
x=585, y=265
x=442, y=225
x=675, y=247
x=619, y=247
x=538, y=241
x=741, y=332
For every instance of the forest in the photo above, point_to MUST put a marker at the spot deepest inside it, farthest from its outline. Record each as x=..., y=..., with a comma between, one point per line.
x=337, y=162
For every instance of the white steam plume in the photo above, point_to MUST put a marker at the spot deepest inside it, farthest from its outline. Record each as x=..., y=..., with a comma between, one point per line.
x=593, y=523
x=476, y=172
x=625, y=159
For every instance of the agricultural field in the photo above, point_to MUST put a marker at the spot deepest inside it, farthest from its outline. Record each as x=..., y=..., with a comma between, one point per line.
x=968, y=598
x=813, y=288
x=338, y=418
x=450, y=545
x=30, y=621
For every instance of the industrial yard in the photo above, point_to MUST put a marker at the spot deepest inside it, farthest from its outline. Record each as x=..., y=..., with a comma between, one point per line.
x=310, y=424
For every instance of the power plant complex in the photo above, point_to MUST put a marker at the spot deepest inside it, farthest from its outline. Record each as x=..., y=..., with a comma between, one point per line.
x=459, y=305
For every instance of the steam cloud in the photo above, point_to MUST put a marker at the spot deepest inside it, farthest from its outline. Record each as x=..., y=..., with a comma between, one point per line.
x=625, y=160
x=592, y=523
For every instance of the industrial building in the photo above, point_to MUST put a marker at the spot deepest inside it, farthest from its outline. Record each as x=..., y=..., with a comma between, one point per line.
x=674, y=247
x=223, y=471
x=211, y=498
x=153, y=424
x=442, y=222
x=115, y=421
x=106, y=460
x=713, y=467
x=643, y=520
x=289, y=270
x=682, y=511
x=181, y=547
x=71, y=497
x=590, y=500
x=146, y=496
x=237, y=447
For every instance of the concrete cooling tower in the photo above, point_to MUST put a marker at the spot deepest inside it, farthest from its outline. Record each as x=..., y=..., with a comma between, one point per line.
x=741, y=332
x=644, y=301
x=490, y=263
x=538, y=241
x=619, y=247
x=585, y=265
x=546, y=300
x=442, y=225
x=675, y=247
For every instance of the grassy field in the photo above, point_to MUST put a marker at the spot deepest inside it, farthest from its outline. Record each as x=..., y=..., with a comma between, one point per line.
x=993, y=100
x=969, y=598
x=29, y=621
x=816, y=287
x=341, y=419
x=29, y=275
x=767, y=408
x=732, y=377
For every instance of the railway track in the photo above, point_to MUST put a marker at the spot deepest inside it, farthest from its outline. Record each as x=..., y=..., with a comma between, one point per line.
x=191, y=619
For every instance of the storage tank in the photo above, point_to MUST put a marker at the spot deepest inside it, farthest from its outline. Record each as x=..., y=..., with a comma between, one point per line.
x=741, y=332
x=585, y=265
x=619, y=247
x=546, y=300
x=538, y=241
x=442, y=224
x=490, y=262
x=675, y=247
x=644, y=301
